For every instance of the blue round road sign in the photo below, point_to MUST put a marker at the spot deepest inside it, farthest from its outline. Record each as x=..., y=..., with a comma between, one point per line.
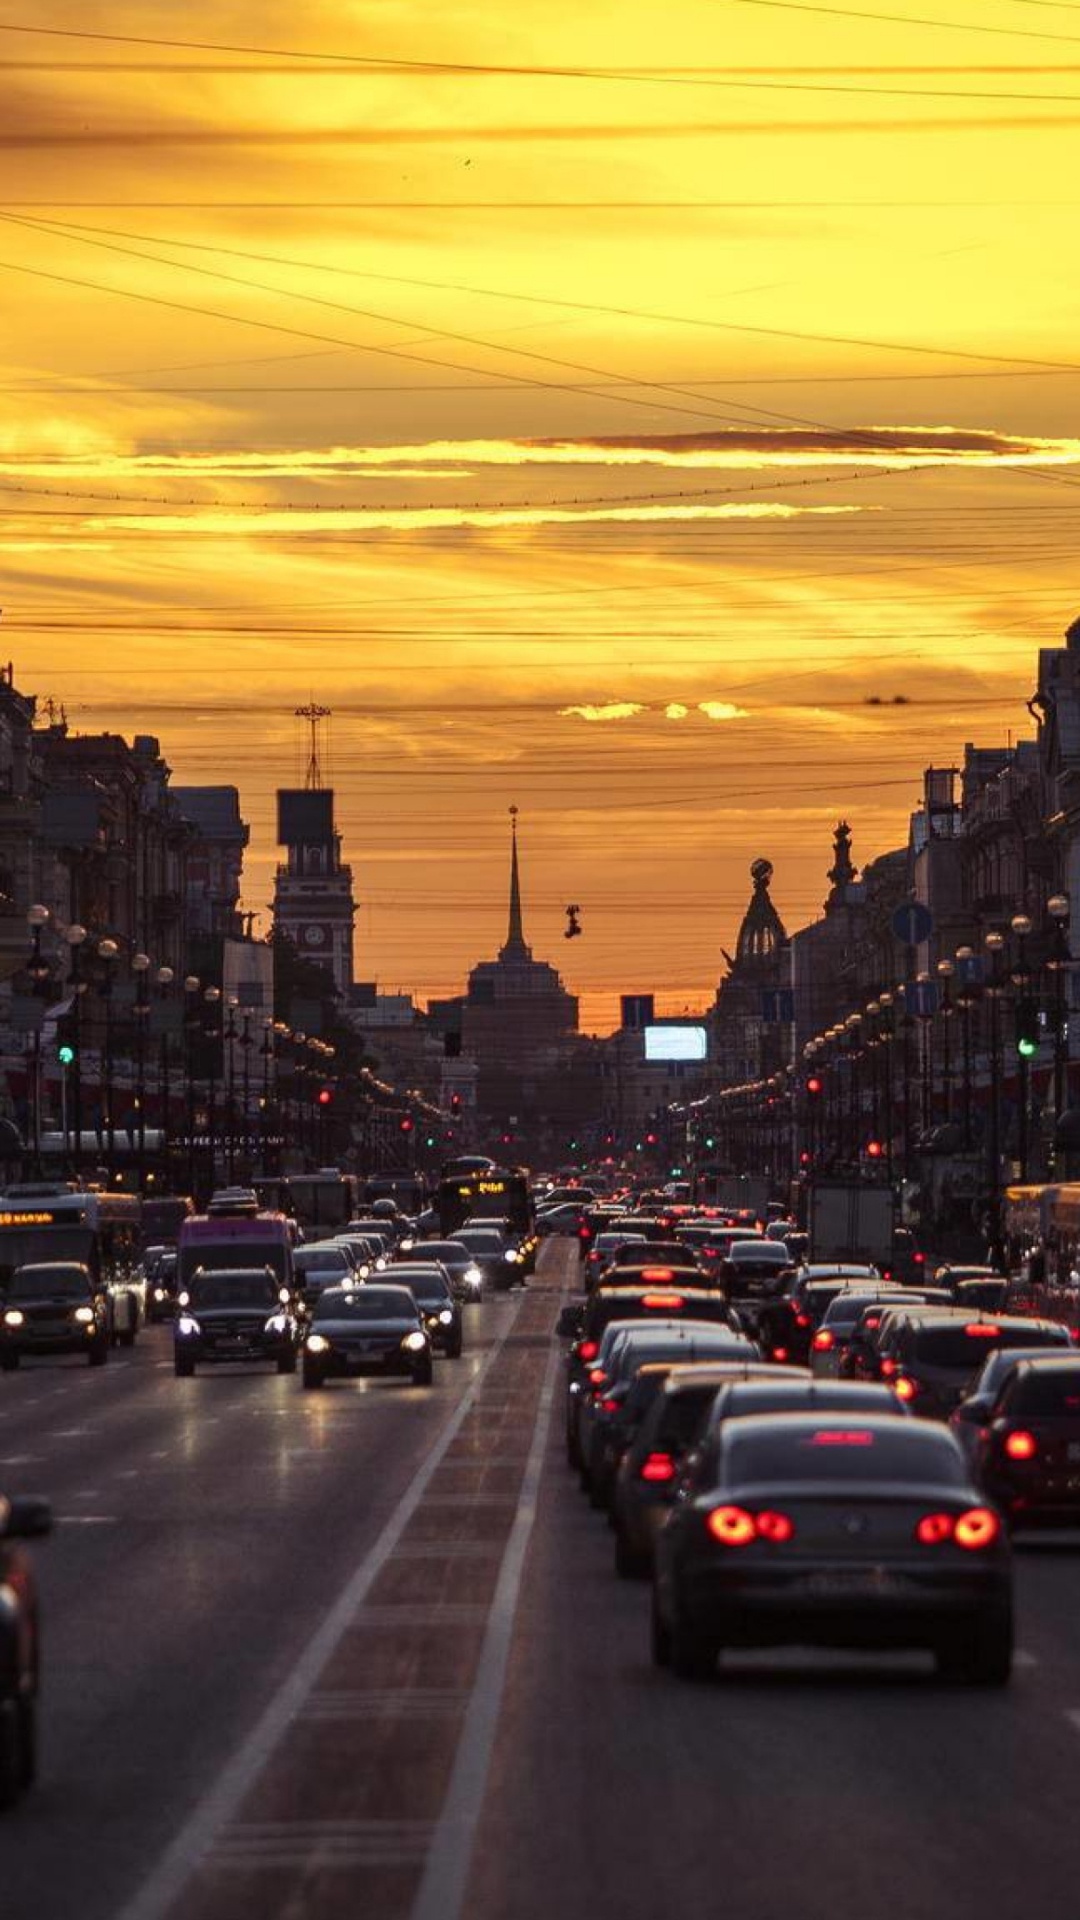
x=913, y=923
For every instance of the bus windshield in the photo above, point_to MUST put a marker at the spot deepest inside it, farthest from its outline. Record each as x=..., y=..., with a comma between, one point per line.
x=23, y=1246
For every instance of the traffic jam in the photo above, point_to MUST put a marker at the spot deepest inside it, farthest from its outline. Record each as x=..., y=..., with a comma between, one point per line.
x=362, y=1291
x=814, y=1436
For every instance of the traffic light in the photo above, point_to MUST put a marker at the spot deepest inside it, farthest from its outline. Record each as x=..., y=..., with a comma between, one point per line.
x=874, y=1149
x=66, y=1035
x=455, y=1103
x=1027, y=1029
x=325, y=1096
x=65, y=1053
x=815, y=1086
x=405, y=1124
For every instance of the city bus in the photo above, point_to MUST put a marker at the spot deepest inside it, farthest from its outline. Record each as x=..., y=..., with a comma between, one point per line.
x=324, y=1202
x=490, y=1193
x=162, y=1217
x=247, y=1237
x=100, y=1230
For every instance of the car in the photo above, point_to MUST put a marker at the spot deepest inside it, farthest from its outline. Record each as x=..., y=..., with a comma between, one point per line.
x=970, y=1414
x=829, y=1530
x=319, y=1264
x=498, y=1258
x=374, y=1329
x=861, y=1354
x=649, y=1256
x=234, y=1314
x=466, y=1273
x=930, y=1359
x=584, y=1324
x=982, y=1295
x=606, y=1247
x=788, y=1315
x=54, y=1306
x=430, y=1287
x=567, y=1218
x=1026, y=1452
x=24, y=1518
x=161, y=1284
x=754, y=1271
x=603, y=1431
x=844, y=1315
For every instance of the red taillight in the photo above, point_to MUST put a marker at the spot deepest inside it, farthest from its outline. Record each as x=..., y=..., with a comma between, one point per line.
x=654, y=1274
x=903, y=1388
x=774, y=1526
x=872, y=1320
x=779, y=1353
x=842, y=1437
x=597, y=1376
x=711, y=1253
x=657, y=1469
x=588, y=1349
x=732, y=1526
x=978, y=1527
x=662, y=1302
x=584, y=1233
x=1021, y=1445
x=888, y=1368
x=979, y=1330
x=919, y=1259
x=823, y=1341
x=933, y=1528
x=608, y=1406
x=802, y=1319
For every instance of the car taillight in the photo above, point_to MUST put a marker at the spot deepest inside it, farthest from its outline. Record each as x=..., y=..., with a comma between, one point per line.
x=978, y=1527
x=872, y=1321
x=903, y=1388
x=608, y=1405
x=597, y=1376
x=779, y=1353
x=662, y=1302
x=919, y=1259
x=654, y=1274
x=588, y=1349
x=1021, y=1445
x=933, y=1528
x=823, y=1341
x=888, y=1368
x=732, y=1526
x=802, y=1319
x=982, y=1330
x=657, y=1468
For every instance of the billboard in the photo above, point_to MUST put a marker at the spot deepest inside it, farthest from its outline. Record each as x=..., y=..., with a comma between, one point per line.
x=676, y=1043
x=305, y=816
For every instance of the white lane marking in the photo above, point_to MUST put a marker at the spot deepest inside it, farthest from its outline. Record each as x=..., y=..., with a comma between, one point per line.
x=441, y=1893
x=325, y=1845
x=22, y=1460
x=1072, y=1715
x=202, y=1830
x=87, y=1520
x=70, y=1433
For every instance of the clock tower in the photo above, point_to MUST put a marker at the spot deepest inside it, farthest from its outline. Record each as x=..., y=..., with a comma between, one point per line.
x=313, y=895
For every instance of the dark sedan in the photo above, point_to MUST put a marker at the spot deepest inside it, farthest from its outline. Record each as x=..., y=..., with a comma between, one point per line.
x=20, y=1659
x=1027, y=1452
x=367, y=1330
x=233, y=1314
x=466, y=1273
x=836, y=1531
x=54, y=1306
x=429, y=1285
x=603, y=1429
x=498, y=1256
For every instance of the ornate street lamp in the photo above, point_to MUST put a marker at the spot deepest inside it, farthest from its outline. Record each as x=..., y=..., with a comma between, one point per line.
x=107, y=951
x=38, y=969
x=994, y=944
x=140, y=967
x=1058, y=908
x=75, y=935
x=164, y=978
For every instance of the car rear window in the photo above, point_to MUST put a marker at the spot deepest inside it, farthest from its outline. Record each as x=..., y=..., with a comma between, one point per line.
x=1053, y=1393
x=793, y=1449
x=233, y=1290
x=366, y=1303
x=55, y=1283
x=965, y=1348
x=989, y=1296
x=683, y=1420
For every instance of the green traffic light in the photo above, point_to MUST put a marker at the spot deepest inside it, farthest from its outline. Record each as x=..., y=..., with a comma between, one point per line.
x=66, y=1056
x=1027, y=1049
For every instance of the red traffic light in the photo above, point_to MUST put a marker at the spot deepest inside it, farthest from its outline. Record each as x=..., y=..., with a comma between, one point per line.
x=405, y=1125
x=325, y=1096
x=874, y=1149
x=814, y=1086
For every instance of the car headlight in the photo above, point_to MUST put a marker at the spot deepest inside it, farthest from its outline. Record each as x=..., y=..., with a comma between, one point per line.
x=315, y=1343
x=446, y=1318
x=510, y=1254
x=415, y=1342
x=472, y=1275
x=187, y=1324
x=84, y=1315
x=14, y=1317
x=277, y=1323
x=406, y=1246
x=160, y=1293
x=381, y=1263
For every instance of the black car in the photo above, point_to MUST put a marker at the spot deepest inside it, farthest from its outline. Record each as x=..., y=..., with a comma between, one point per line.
x=373, y=1329
x=466, y=1273
x=323, y=1263
x=930, y=1360
x=20, y=1519
x=497, y=1255
x=585, y=1323
x=430, y=1287
x=54, y=1306
x=161, y=1285
x=840, y=1531
x=603, y=1425
x=1027, y=1450
x=231, y=1314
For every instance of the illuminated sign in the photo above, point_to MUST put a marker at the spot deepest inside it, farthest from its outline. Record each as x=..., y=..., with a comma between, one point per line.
x=675, y=1043
x=29, y=1219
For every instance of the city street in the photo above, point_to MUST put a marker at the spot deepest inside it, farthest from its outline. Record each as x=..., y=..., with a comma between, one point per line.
x=286, y=1634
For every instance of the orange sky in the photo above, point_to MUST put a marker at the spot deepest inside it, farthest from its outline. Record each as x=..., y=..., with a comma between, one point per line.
x=595, y=405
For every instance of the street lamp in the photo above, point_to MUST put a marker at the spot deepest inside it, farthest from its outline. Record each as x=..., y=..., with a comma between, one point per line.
x=140, y=967
x=994, y=943
x=945, y=971
x=164, y=978
x=1020, y=925
x=107, y=952
x=228, y=1036
x=37, y=917
x=75, y=935
x=211, y=996
x=1058, y=908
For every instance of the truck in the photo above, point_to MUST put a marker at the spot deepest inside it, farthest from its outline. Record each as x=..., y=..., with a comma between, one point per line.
x=714, y=1187
x=850, y=1220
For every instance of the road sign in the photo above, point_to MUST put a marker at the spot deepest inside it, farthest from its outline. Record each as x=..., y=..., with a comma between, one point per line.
x=921, y=997
x=969, y=971
x=913, y=923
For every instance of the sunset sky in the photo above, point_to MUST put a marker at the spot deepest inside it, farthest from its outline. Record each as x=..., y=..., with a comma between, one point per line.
x=606, y=409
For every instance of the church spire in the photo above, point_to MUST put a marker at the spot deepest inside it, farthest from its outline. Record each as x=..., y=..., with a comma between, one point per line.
x=515, y=948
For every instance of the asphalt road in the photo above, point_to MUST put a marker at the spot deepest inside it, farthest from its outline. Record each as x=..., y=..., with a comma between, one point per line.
x=365, y=1652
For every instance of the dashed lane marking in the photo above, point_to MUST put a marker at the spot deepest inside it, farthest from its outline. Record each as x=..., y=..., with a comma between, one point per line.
x=322, y=1845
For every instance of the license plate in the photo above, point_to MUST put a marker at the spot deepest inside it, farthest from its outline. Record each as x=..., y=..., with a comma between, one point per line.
x=853, y=1581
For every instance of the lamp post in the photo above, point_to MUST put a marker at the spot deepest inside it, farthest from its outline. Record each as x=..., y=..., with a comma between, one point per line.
x=164, y=977
x=965, y=1000
x=107, y=951
x=37, y=917
x=945, y=971
x=212, y=1029
x=192, y=988
x=886, y=1001
x=1058, y=908
x=1020, y=925
x=140, y=967
x=994, y=944
x=245, y=1043
x=228, y=1035
x=75, y=936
